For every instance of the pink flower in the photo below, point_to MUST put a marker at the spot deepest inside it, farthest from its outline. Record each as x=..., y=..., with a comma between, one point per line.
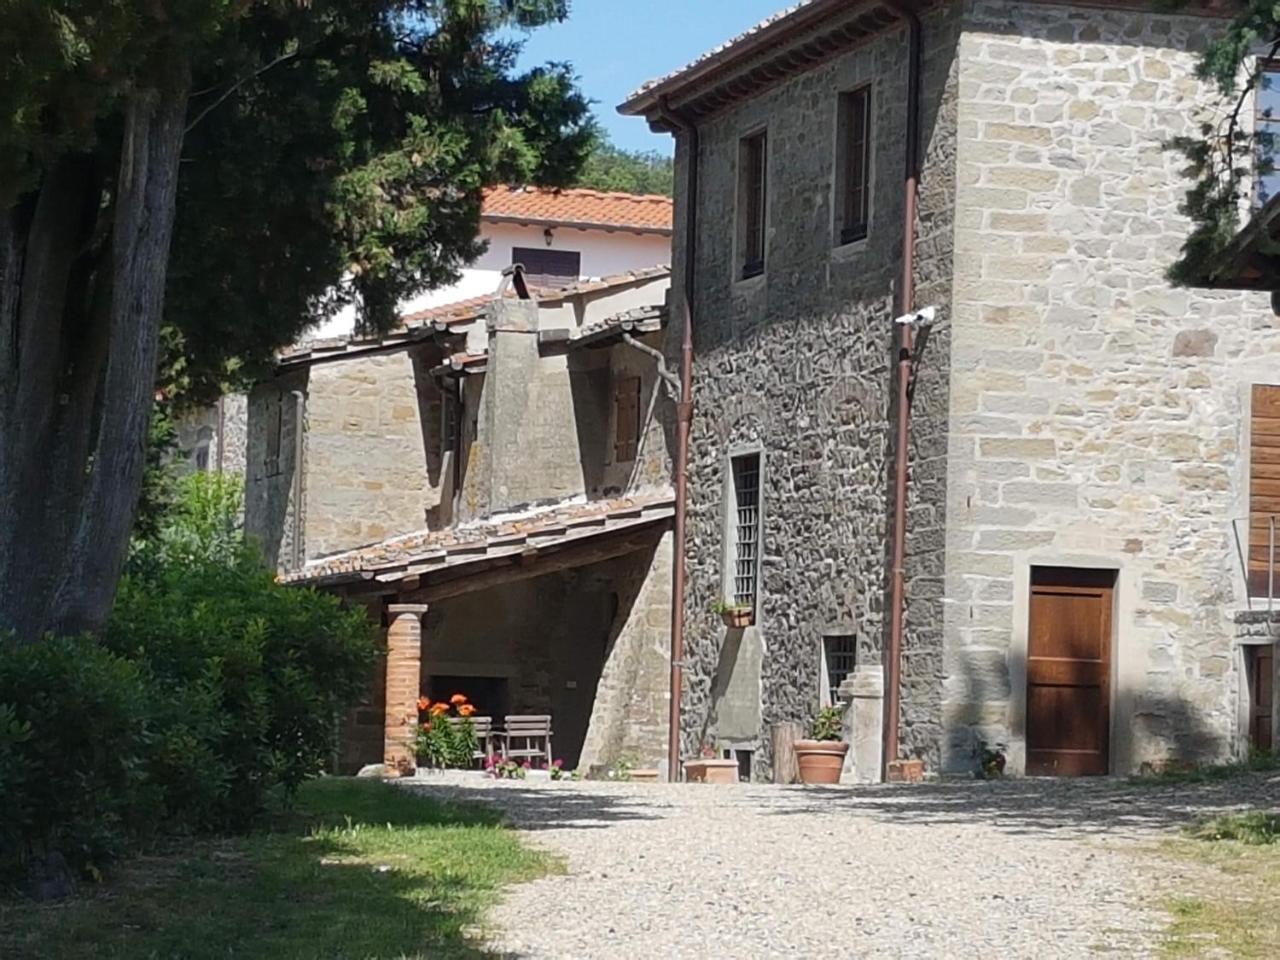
x=527, y=765
x=557, y=763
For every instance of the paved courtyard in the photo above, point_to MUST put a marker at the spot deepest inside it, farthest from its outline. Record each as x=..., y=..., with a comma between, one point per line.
x=1031, y=868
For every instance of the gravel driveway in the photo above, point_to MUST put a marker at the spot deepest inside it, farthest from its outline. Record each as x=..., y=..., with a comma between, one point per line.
x=1031, y=868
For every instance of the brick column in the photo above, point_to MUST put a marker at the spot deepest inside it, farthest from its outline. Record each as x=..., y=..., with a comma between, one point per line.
x=404, y=677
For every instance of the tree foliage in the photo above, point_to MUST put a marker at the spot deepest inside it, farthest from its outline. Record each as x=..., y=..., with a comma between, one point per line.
x=188, y=185
x=1227, y=155
x=610, y=167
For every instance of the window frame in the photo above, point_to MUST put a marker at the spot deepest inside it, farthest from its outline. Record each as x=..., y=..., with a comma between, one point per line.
x=749, y=241
x=1271, y=124
x=730, y=527
x=844, y=232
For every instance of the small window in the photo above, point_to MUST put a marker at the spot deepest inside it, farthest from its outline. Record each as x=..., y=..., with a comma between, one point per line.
x=548, y=268
x=274, y=418
x=745, y=530
x=626, y=412
x=839, y=656
x=752, y=203
x=853, y=164
x=450, y=418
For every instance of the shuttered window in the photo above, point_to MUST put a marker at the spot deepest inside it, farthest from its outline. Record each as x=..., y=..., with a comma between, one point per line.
x=746, y=529
x=1264, y=484
x=752, y=203
x=626, y=409
x=853, y=171
x=548, y=268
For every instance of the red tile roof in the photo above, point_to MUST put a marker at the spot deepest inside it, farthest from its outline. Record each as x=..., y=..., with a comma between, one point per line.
x=640, y=213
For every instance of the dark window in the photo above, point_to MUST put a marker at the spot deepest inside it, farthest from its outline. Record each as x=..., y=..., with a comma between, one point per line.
x=548, y=268
x=840, y=653
x=1267, y=127
x=274, y=417
x=752, y=202
x=853, y=160
x=626, y=408
x=746, y=529
x=450, y=417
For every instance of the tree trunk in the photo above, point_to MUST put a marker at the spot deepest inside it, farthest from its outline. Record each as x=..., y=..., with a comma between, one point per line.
x=81, y=299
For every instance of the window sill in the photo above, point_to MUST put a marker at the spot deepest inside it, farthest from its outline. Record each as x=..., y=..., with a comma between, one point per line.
x=749, y=284
x=843, y=251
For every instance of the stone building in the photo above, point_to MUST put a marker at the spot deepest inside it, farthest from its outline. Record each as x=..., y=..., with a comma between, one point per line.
x=1087, y=443
x=491, y=483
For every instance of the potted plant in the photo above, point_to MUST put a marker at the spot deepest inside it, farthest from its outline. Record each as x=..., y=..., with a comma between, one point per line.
x=821, y=757
x=710, y=768
x=993, y=761
x=739, y=616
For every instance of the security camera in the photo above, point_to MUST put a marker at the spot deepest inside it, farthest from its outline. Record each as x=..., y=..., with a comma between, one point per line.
x=924, y=316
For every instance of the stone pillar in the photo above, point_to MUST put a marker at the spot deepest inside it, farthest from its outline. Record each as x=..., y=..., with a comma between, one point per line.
x=862, y=694
x=404, y=681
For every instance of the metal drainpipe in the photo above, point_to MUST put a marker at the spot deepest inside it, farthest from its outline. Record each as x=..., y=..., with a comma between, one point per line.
x=684, y=417
x=906, y=303
x=299, y=411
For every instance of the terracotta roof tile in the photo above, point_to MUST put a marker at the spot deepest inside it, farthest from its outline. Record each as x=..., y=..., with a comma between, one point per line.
x=425, y=550
x=647, y=213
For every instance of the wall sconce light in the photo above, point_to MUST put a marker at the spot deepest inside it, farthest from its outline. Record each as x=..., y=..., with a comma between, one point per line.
x=547, y=236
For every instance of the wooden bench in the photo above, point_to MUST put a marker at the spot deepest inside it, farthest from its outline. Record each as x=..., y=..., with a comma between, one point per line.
x=527, y=737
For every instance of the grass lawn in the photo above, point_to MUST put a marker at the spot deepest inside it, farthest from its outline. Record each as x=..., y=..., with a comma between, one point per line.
x=358, y=870
x=1237, y=911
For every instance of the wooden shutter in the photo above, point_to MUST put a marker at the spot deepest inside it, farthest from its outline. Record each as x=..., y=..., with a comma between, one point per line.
x=548, y=268
x=626, y=405
x=1264, y=484
x=856, y=168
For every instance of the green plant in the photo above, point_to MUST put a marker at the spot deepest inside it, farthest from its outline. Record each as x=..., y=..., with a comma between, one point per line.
x=722, y=606
x=500, y=768
x=445, y=740
x=827, y=725
x=1256, y=828
x=75, y=735
x=558, y=772
x=993, y=760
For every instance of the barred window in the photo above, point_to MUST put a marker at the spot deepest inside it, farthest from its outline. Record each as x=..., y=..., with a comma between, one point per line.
x=839, y=656
x=746, y=529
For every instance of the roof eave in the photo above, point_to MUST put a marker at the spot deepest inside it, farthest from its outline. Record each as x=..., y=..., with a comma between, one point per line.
x=519, y=220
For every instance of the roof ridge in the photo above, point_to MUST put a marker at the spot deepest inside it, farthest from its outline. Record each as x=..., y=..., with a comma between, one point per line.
x=588, y=192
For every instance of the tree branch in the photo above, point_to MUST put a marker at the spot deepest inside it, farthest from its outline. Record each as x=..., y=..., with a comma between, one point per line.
x=236, y=86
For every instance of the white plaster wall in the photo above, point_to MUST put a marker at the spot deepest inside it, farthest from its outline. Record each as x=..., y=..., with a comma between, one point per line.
x=604, y=253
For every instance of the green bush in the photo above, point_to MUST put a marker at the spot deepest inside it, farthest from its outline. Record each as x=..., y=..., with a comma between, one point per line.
x=213, y=688
x=74, y=741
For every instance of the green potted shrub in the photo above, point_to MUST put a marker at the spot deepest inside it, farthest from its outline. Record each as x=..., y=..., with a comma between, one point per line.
x=739, y=616
x=821, y=757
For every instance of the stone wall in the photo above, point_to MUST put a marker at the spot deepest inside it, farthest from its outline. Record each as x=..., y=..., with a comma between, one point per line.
x=798, y=363
x=226, y=421
x=274, y=511
x=373, y=450
x=1097, y=414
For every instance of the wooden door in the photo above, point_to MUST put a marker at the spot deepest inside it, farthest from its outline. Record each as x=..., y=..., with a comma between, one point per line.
x=1069, y=672
x=1260, y=668
x=1264, y=486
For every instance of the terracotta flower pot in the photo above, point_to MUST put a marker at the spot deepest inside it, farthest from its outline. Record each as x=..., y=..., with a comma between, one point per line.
x=711, y=770
x=738, y=618
x=820, y=761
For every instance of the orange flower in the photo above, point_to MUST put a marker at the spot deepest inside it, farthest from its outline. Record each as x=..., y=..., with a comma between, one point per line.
x=423, y=703
x=439, y=708
x=458, y=698
x=466, y=710
x=426, y=726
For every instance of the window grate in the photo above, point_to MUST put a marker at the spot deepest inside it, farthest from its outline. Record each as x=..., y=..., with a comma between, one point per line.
x=841, y=654
x=746, y=492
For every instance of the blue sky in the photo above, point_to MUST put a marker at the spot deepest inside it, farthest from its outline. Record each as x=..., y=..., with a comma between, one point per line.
x=616, y=45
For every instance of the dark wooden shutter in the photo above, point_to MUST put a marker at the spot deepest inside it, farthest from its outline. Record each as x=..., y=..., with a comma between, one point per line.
x=1069, y=672
x=856, y=168
x=1260, y=669
x=548, y=268
x=754, y=193
x=1264, y=484
x=626, y=405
